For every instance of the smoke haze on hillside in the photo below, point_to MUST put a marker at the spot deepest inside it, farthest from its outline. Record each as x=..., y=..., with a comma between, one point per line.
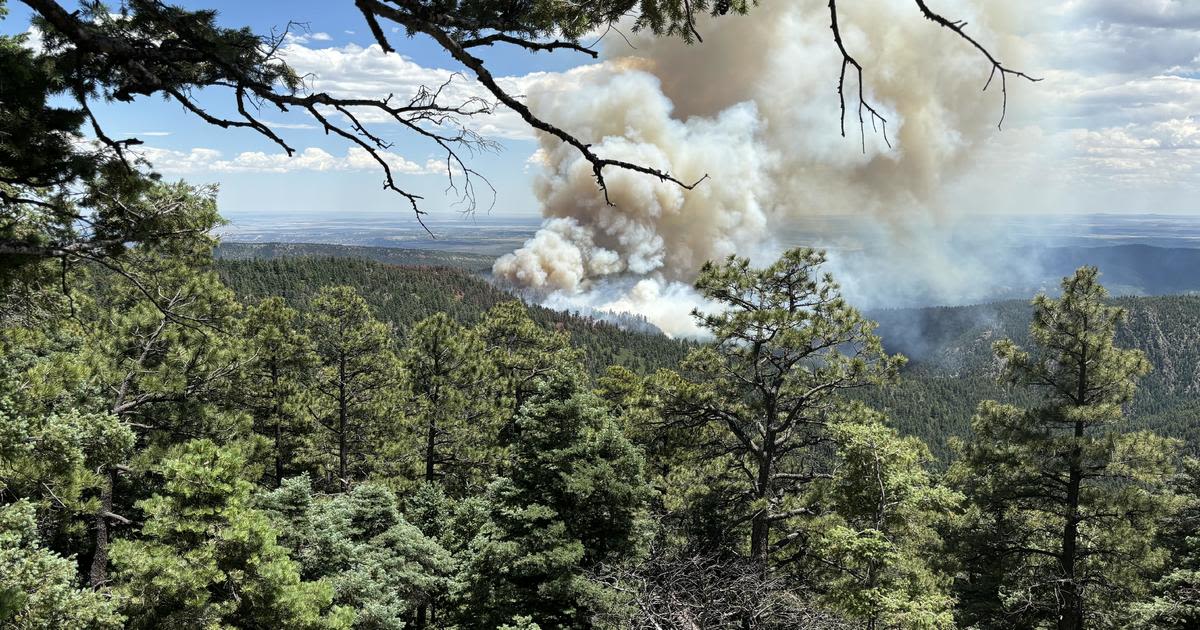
x=755, y=108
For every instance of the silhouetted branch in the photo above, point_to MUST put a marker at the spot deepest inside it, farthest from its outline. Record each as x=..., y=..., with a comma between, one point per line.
x=997, y=67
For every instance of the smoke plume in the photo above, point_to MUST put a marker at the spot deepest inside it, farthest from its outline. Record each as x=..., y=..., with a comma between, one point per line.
x=755, y=108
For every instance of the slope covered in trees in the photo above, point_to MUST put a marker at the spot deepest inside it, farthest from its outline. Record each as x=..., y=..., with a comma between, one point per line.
x=403, y=296
x=951, y=366
x=950, y=370
x=230, y=250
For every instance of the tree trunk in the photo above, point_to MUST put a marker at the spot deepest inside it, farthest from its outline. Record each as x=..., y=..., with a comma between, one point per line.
x=430, y=451
x=277, y=411
x=98, y=574
x=760, y=524
x=1071, y=615
x=343, y=450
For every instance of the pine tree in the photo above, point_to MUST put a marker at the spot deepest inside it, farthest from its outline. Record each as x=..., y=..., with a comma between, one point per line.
x=524, y=354
x=570, y=500
x=785, y=347
x=451, y=407
x=353, y=397
x=1065, y=499
x=156, y=347
x=274, y=378
x=51, y=459
x=39, y=588
x=880, y=551
x=207, y=558
x=379, y=565
x=1176, y=594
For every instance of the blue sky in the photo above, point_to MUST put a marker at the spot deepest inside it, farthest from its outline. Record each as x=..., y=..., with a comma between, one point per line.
x=1115, y=115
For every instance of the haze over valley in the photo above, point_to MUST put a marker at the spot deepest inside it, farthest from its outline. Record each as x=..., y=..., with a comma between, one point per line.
x=1139, y=254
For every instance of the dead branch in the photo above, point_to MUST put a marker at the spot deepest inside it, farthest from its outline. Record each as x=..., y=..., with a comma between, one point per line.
x=997, y=67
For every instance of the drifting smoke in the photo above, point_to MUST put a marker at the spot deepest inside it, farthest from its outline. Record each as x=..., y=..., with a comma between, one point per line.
x=755, y=108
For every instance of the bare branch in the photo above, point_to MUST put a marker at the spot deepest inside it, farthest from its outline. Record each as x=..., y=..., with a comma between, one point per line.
x=997, y=67
x=456, y=50
x=376, y=30
x=535, y=46
x=849, y=60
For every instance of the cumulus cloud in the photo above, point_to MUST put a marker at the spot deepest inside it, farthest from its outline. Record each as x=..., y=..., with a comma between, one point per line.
x=302, y=38
x=368, y=72
x=1170, y=14
x=1114, y=114
x=202, y=160
x=1110, y=66
x=1123, y=88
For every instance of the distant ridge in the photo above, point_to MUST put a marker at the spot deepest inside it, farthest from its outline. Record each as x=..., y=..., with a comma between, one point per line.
x=1129, y=269
x=230, y=250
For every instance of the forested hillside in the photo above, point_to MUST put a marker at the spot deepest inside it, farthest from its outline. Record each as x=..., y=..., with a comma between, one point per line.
x=232, y=250
x=952, y=366
x=402, y=296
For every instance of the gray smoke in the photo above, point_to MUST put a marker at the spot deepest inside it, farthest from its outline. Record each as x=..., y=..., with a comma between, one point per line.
x=755, y=108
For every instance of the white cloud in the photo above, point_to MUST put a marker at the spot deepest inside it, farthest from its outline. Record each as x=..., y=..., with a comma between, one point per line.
x=1163, y=153
x=202, y=160
x=368, y=72
x=1174, y=14
x=1122, y=86
x=286, y=125
x=301, y=38
x=1122, y=78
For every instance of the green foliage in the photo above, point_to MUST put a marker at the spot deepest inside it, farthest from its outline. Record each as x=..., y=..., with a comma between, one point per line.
x=429, y=258
x=383, y=447
x=570, y=499
x=31, y=126
x=43, y=158
x=274, y=380
x=378, y=564
x=207, y=558
x=785, y=346
x=53, y=459
x=1176, y=594
x=953, y=368
x=1065, y=502
x=403, y=296
x=352, y=395
x=882, y=537
x=525, y=354
x=452, y=409
x=757, y=430
x=40, y=589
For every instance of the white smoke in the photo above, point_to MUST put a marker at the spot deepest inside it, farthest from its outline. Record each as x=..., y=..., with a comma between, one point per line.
x=755, y=108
